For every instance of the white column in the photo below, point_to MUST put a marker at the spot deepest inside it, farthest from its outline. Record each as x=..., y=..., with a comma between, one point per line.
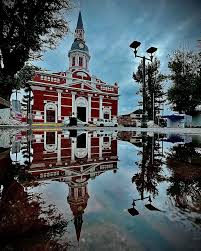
x=89, y=107
x=73, y=146
x=86, y=62
x=76, y=192
x=83, y=191
x=76, y=60
x=100, y=107
x=110, y=114
x=100, y=147
x=83, y=61
x=59, y=149
x=73, y=102
x=59, y=104
x=89, y=146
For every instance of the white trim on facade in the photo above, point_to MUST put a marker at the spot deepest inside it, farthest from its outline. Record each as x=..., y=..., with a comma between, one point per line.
x=82, y=102
x=107, y=110
x=38, y=88
x=65, y=86
x=100, y=107
x=50, y=147
x=59, y=104
x=50, y=106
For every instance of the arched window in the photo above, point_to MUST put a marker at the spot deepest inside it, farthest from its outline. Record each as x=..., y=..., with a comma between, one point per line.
x=106, y=113
x=73, y=61
x=80, y=61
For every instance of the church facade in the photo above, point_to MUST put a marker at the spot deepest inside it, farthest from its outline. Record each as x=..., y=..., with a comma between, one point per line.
x=75, y=92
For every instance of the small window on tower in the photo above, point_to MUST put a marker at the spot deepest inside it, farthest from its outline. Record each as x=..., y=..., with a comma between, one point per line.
x=79, y=192
x=73, y=61
x=80, y=61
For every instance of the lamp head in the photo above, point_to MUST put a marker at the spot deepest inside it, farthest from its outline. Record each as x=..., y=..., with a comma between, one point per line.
x=134, y=45
x=151, y=50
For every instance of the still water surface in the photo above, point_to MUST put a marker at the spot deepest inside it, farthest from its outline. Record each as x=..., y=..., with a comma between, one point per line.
x=100, y=190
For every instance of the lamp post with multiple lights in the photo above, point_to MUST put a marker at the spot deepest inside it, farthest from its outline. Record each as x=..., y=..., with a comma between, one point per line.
x=134, y=45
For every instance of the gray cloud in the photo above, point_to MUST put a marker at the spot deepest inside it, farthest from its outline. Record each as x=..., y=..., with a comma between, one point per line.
x=111, y=26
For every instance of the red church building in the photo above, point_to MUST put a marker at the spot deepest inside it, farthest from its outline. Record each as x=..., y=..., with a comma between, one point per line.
x=58, y=96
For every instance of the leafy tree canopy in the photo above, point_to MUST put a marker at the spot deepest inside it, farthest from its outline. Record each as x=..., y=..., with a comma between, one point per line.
x=25, y=75
x=26, y=28
x=185, y=92
x=154, y=86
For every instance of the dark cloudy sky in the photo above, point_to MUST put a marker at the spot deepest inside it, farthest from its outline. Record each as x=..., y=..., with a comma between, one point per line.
x=111, y=25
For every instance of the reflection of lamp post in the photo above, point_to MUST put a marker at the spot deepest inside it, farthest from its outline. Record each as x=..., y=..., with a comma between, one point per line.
x=150, y=206
x=132, y=211
x=134, y=45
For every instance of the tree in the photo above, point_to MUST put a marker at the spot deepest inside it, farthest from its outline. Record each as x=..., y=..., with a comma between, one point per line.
x=154, y=87
x=24, y=213
x=25, y=74
x=184, y=163
x=22, y=78
x=150, y=167
x=185, y=92
x=26, y=28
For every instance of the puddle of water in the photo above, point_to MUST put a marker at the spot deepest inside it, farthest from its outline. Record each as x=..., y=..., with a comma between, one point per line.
x=100, y=190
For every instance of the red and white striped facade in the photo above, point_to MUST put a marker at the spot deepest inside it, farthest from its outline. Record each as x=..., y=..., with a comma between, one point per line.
x=73, y=160
x=57, y=96
x=56, y=154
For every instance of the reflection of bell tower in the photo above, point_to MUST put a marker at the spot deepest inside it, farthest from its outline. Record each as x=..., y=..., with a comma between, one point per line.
x=77, y=198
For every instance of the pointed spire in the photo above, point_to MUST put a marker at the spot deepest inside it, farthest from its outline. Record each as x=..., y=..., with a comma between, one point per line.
x=79, y=31
x=79, y=22
x=78, y=225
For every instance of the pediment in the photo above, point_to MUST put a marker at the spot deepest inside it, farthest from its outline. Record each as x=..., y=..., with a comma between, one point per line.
x=84, y=86
x=81, y=75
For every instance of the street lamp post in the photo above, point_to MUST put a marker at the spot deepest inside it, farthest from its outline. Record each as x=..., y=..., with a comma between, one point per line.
x=134, y=45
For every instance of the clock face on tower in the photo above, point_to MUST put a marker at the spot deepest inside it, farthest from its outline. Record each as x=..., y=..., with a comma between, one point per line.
x=81, y=45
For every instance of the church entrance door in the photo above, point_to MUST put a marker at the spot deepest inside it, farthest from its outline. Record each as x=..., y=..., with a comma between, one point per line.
x=81, y=113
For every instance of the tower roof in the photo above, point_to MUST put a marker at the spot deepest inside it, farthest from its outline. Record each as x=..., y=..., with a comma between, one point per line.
x=75, y=46
x=79, y=22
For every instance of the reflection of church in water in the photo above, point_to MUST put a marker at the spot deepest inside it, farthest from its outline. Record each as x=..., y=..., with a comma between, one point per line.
x=74, y=157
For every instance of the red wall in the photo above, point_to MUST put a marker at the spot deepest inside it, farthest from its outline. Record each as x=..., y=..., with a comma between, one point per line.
x=38, y=100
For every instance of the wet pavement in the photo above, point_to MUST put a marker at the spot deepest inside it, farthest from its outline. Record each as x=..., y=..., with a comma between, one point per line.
x=100, y=190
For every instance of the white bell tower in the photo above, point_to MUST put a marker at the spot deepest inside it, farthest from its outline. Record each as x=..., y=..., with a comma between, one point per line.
x=79, y=53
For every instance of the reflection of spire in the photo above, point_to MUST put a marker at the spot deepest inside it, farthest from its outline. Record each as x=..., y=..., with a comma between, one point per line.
x=78, y=225
x=77, y=199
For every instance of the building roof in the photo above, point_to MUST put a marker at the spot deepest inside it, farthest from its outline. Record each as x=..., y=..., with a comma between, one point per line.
x=79, y=22
x=75, y=46
x=174, y=117
x=138, y=111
